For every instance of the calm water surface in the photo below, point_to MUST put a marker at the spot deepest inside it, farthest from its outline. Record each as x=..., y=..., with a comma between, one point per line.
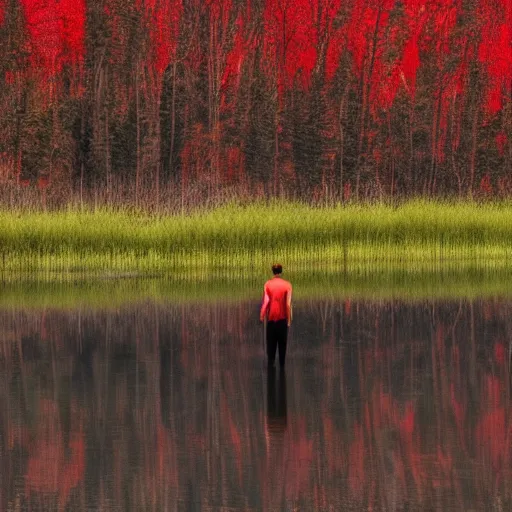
x=383, y=406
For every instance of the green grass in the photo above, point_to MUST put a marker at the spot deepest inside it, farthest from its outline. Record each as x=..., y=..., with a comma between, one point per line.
x=66, y=291
x=241, y=240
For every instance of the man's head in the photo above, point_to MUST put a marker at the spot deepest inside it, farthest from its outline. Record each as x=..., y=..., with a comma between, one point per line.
x=277, y=269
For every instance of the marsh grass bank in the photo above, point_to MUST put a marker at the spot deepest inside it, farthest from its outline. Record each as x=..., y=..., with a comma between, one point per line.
x=65, y=291
x=417, y=235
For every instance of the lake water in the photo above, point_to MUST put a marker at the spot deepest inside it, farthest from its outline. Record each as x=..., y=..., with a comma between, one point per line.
x=384, y=405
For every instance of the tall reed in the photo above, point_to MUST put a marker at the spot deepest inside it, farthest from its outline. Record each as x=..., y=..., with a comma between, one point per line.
x=417, y=234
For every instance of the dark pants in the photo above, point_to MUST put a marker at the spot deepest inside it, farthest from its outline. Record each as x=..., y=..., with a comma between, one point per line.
x=277, y=333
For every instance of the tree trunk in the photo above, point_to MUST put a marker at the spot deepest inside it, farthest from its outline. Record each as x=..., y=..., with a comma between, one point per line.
x=275, y=177
x=411, y=150
x=391, y=161
x=173, y=120
x=362, y=125
x=81, y=153
x=107, y=154
x=435, y=133
x=472, y=160
x=341, y=119
x=211, y=116
x=98, y=125
x=157, y=99
x=18, y=146
x=508, y=131
x=454, y=126
x=367, y=89
x=137, y=116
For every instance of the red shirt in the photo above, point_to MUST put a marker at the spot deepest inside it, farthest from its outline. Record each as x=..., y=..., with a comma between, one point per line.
x=278, y=292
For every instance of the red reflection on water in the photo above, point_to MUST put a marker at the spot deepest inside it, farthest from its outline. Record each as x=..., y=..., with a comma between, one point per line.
x=49, y=469
x=411, y=404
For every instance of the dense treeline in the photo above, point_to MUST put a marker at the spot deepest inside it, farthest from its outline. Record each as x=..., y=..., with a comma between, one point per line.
x=401, y=406
x=177, y=101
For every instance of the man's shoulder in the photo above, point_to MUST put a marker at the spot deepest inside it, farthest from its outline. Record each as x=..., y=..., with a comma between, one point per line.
x=278, y=283
x=283, y=283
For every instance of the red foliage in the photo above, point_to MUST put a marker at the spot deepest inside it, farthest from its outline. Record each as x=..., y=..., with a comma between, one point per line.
x=495, y=50
x=234, y=163
x=43, y=182
x=384, y=41
x=164, y=22
x=292, y=33
x=501, y=142
x=357, y=43
x=235, y=58
x=493, y=101
x=334, y=52
x=410, y=64
x=371, y=32
x=295, y=32
x=485, y=184
x=56, y=29
x=9, y=77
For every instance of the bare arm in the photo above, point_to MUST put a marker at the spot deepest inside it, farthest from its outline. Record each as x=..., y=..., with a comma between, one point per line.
x=264, y=306
x=289, y=307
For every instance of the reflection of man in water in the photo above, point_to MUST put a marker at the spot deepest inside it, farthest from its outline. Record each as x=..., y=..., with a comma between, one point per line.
x=276, y=402
x=277, y=303
x=277, y=444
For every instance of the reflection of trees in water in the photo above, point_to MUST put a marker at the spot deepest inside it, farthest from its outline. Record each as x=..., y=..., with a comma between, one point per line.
x=383, y=404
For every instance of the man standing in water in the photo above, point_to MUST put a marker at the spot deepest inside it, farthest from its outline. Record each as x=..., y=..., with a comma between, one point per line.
x=277, y=303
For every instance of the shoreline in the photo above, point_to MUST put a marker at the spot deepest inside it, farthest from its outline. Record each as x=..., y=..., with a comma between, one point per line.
x=69, y=291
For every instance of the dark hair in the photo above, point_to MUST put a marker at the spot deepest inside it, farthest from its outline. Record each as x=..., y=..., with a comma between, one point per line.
x=277, y=268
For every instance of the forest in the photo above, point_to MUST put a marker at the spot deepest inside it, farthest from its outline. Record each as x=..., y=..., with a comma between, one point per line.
x=169, y=102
